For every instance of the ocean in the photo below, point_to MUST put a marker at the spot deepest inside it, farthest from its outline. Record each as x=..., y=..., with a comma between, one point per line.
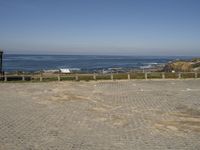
x=31, y=63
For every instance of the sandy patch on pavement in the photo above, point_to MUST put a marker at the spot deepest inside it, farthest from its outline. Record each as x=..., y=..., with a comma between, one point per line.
x=185, y=120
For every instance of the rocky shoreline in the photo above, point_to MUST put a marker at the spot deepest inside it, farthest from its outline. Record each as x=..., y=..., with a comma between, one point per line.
x=192, y=65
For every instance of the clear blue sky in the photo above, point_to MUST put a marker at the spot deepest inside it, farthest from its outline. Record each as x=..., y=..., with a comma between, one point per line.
x=118, y=27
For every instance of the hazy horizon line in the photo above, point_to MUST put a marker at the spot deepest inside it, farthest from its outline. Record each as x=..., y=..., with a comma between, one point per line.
x=40, y=54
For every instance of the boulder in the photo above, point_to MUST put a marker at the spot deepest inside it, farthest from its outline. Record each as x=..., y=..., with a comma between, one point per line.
x=183, y=66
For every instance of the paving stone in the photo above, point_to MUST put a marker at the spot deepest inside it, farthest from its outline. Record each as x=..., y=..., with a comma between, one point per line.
x=106, y=115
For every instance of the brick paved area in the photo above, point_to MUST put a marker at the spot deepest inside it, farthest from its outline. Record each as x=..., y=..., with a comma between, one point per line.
x=110, y=115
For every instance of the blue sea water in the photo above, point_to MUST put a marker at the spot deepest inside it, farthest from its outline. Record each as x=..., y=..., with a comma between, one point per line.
x=31, y=63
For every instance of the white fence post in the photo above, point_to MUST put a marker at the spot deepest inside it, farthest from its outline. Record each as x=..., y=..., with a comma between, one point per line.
x=146, y=75
x=163, y=75
x=94, y=76
x=179, y=75
x=196, y=75
x=5, y=78
x=111, y=76
x=129, y=77
x=23, y=78
x=76, y=77
x=58, y=77
x=41, y=77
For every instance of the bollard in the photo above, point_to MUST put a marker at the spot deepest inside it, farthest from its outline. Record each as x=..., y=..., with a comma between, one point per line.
x=146, y=75
x=179, y=75
x=163, y=75
x=129, y=77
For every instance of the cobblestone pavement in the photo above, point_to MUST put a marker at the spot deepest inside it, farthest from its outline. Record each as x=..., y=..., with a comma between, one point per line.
x=110, y=115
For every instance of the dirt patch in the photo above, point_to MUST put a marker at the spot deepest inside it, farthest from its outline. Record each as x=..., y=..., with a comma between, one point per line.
x=184, y=111
x=119, y=121
x=184, y=126
x=98, y=109
x=185, y=119
x=114, y=121
x=69, y=97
